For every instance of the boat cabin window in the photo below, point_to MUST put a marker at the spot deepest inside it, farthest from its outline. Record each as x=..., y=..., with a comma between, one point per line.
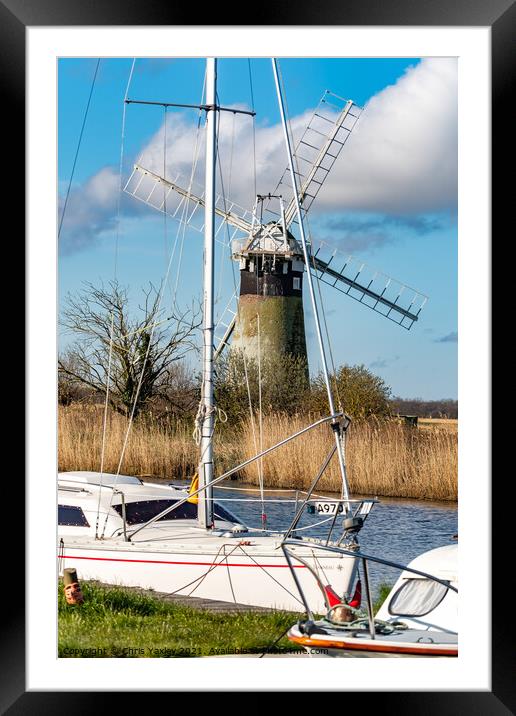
x=417, y=597
x=138, y=512
x=71, y=516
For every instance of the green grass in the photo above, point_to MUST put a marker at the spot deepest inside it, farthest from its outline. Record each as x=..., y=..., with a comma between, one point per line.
x=383, y=591
x=114, y=622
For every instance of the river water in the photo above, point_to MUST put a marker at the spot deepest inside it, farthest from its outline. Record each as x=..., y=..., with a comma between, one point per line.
x=396, y=529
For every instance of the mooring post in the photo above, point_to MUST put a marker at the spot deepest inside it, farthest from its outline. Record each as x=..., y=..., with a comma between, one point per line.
x=72, y=588
x=69, y=576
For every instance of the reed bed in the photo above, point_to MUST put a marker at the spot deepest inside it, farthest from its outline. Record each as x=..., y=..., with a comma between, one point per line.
x=153, y=448
x=384, y=458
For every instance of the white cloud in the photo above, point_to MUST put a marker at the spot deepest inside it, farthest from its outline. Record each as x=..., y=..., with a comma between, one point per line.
x=401, y=158
x=91, y=209
x=235, y=150
x=102, y=187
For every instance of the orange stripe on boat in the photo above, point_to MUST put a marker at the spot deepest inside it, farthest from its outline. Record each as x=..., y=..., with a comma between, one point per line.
x=323, y=643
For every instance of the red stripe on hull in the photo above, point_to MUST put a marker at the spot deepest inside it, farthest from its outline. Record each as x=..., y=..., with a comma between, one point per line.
x=222, y=563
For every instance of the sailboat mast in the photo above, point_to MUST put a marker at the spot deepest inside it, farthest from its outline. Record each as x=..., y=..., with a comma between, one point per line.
x=205, y=504
x=324, y=362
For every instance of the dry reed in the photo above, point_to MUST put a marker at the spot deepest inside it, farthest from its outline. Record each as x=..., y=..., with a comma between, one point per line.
x=151, y=448
x=384, y=458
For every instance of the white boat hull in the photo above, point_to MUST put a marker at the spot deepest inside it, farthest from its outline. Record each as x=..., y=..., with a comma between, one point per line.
x=240, y=574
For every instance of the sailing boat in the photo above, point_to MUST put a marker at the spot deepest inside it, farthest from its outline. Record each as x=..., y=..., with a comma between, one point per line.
x=120, y=530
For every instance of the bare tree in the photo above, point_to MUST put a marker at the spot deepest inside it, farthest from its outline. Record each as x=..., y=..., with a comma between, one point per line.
x=69, y=390
x=137, y=351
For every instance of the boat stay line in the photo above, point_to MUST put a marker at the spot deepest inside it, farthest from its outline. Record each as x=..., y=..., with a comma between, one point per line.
x=199, y=580
x=162, y=561
x=333, y=417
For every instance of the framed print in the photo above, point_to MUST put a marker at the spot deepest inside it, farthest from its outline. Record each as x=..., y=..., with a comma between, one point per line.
x=52, y=53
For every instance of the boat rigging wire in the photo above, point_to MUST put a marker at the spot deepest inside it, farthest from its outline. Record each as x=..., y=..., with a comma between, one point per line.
x=212, y=566
x=184, y=222
x=294, y=529
x=254, y=123
x=332, y=417
x=159, y=300
x=260, y=421
x=78, y=148
x=326, y=330
x=165, y=226
x=237, y=314
x=115, y=271
x=306, y=219
x=224, y=559
x=138, y=388
x=259, y=464
x=222, y=260
x=202, y=410
x=333, y=372
x=306, y=254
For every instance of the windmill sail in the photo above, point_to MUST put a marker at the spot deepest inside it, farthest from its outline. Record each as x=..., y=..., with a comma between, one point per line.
x=186, y=206
x=316, y=152
x=225, y=325
x=383, y=294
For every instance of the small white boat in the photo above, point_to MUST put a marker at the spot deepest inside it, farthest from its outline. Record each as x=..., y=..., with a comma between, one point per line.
x=104, y=534
x=418, y=617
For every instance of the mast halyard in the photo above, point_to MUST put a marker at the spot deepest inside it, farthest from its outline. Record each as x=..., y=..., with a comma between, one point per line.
x=337, y=429
x=205, y=504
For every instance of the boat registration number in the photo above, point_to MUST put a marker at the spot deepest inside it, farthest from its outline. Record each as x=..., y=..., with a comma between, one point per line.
x=328, y=508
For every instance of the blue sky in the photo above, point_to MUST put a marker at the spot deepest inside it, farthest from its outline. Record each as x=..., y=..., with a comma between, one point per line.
x=391, y=198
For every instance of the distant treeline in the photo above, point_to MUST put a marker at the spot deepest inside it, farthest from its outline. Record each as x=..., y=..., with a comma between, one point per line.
x=445, y=408
x=285, y=388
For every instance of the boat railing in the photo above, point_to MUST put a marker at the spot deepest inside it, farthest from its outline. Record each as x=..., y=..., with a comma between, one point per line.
x=356, y=507
x=124, y=512
x=355, y=554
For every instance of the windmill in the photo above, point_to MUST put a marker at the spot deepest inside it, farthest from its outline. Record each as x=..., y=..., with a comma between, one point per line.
x=269, y=314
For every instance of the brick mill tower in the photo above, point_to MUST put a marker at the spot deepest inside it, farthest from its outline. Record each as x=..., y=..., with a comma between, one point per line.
x=270, y=316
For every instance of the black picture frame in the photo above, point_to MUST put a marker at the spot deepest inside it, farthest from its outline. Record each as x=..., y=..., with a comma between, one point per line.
x=500, y=16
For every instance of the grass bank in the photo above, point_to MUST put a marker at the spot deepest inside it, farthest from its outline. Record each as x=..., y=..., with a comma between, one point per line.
x=119, y=623
x=114, y=622
x=385, y=458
